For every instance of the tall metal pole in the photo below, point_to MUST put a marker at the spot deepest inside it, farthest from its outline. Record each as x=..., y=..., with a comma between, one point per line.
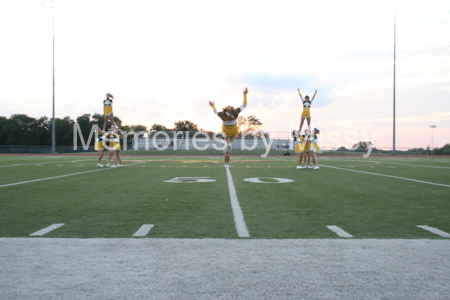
x=53, y=118
x=432, y=136
x=393, y=127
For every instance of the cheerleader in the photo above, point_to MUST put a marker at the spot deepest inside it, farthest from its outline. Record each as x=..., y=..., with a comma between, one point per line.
x=114, y=147
x=306, y=114
x=315, y=149
x=303, y=150
x=98, y=146
x=230, y=129
x=108, y=110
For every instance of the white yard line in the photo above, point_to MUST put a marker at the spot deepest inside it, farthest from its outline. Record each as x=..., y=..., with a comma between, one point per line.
x=241, y=227
x=393, y=163
x=391, y=176
x=435, y=231
x=144, y=230
x=47, y=229
x=339, y=231
x=36, y=163
x=61, y=176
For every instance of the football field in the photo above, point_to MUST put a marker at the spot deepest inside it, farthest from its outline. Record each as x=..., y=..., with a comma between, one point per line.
x=196, y=197
x=188, y=228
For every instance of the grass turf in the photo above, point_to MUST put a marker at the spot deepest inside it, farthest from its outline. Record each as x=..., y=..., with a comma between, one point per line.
x=116, y=202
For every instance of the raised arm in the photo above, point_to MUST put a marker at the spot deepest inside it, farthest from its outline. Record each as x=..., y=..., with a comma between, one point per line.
x=313, y=96
x=213, y=107
x=301, y=97
x=244, y=104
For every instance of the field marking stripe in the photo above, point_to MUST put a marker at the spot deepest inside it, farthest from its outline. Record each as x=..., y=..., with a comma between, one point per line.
x=241, y=227
x=143, y=230
x=47, y=229
x=61, y=176
x=383, y=162
x=339, y=231
x=44, y=163
x=397, y=177
x=435, y=231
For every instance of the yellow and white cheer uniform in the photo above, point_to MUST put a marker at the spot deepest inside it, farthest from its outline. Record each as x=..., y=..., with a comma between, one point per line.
x=229, y=126
x=306, y=105
x=107, y=106
x=98, y=146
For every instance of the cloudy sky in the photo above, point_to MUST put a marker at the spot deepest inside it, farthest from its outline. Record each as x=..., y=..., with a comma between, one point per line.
x=164, y=60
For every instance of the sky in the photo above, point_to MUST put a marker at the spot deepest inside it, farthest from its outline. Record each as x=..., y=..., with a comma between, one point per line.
x=165, y=60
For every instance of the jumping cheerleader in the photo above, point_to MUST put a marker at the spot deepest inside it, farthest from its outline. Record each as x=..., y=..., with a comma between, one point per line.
x=108, y=110
x=306, y=114
x=230, y=129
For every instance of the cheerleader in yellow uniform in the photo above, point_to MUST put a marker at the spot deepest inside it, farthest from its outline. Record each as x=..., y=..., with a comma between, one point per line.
x=108, y=110
x=306, y=113
x=229, y=116
x=98, y=146
x=315, y=150
x=303, y=150
x=299, y=148
x=114, y=146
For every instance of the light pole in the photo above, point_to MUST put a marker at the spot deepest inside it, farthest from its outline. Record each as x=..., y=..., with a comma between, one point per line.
x=393, y=125
x=52, y=7
x=432, y=137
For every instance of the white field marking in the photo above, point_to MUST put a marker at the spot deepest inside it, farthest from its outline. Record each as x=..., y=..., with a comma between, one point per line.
x=33, y=164
x=435, y=231
x=437, y=167
x=144, y=230
x=339, y=231
x=241, y=227
x=61, y=176
x=397, y=177
x=47, y=229
x=279, y=180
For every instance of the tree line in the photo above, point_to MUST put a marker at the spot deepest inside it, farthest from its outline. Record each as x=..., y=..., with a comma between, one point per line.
x=21, y=129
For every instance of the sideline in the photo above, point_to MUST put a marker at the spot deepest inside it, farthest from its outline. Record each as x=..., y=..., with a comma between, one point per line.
x=251, y=269
x=397, y=177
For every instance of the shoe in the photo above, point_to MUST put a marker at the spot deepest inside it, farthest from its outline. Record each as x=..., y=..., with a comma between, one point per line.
x=316, y=168
x=120, y=165
x=107, y=165
x=113, y=166
x=310, y=167
x=100, y=165
x=299, y=167
x=226, y=165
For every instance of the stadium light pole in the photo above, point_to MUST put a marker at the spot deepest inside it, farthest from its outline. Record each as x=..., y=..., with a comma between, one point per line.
x=53, y=50
x=393, y=123
x=52, y=7
x=432, y=136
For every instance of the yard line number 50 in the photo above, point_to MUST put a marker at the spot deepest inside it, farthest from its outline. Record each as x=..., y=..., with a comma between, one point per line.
x=208, y=179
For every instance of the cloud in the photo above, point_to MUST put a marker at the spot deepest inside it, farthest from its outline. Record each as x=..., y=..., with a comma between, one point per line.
x=274, y=89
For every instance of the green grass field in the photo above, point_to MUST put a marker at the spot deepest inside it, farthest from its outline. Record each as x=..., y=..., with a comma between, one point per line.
x=377, y=197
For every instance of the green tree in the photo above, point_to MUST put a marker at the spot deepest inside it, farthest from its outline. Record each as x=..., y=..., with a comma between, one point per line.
x=253, y=123
x=185, y=126
x=158, y=127
x=4, y=129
